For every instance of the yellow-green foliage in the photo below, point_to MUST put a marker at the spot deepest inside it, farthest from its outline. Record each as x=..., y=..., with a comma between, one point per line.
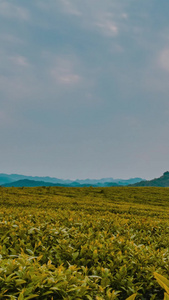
x=83, y=243
x=164, y=283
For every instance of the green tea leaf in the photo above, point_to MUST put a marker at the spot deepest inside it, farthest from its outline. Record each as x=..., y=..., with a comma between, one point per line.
x=132, y=297
x=166, y=296
x=163, y=282
x=19, y=281
x=31, y=296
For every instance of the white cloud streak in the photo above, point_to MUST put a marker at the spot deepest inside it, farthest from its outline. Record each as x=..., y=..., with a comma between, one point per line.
x=10, y=10
x=19, y=61
x=63, y=69
x=70, y=8
x=108, y=28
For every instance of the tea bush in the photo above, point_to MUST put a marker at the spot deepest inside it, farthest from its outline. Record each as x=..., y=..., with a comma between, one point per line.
x=83, y=243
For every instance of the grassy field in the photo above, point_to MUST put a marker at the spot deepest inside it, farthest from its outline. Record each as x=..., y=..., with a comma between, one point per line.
x=83, y=243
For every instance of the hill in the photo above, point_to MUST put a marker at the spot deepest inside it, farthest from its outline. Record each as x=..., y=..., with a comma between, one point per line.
x=162, y=181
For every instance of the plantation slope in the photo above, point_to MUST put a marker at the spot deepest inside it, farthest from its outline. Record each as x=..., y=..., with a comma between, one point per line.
x=83, y=243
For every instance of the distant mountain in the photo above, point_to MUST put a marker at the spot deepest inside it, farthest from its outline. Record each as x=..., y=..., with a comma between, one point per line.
x=13, y=178
x=126, y=182
x=27, y=183
x=108, y=181
x=34, y=183
x=5, y=178
x=162, y=181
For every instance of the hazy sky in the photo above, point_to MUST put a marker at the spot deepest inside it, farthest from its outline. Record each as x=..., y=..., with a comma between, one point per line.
x=84, y=88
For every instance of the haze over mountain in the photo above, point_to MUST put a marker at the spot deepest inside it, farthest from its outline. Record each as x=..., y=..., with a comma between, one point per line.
x=34, y=183
x=23, y=180
x=162, y=181
x=6, y=178
x=16, y=180
x=27, y=183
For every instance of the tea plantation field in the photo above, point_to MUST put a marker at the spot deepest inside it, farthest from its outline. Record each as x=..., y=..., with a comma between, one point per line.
x=83, y=243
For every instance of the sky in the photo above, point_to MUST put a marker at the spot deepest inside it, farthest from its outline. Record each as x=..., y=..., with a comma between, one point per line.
x=84, y=88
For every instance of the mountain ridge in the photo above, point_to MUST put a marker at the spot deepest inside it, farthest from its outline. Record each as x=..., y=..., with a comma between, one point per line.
x=162, y=181
x=34, y=183
x=13, y=178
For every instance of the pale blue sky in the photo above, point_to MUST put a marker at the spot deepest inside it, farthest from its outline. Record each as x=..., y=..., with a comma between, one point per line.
x=84, y=88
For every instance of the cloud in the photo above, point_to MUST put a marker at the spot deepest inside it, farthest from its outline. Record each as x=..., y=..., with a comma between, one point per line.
x=17, y=78
x=9, y=38
x=93, y=15
x=124, y=16
x=20, y=61
x=12, y=66
x=70, y=8
x=64, y=6
x=108, y=28
x=155, y=74
x=64, y=71
x=9, y=10
x=65, y=77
